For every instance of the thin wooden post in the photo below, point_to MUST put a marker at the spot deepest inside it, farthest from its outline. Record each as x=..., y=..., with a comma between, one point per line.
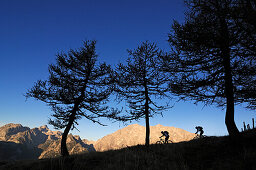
x=253, y=123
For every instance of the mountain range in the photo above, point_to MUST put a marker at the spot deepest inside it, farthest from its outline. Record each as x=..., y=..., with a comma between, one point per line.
x=18, y=142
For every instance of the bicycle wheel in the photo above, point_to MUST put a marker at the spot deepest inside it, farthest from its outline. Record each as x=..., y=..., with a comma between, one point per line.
x=169, y=141
x=159, y=142
x=196, y=137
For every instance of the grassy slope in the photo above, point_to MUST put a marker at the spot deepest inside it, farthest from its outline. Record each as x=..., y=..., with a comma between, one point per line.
x=207, y=153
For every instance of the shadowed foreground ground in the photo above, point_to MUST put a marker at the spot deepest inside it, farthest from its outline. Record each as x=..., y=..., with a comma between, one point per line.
x=207, y=153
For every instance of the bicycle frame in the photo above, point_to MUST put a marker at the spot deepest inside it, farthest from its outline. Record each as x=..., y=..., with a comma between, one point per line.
x=198, y=136
x=162, y=141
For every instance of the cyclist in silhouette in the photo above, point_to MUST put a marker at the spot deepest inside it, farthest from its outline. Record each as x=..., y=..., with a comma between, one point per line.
x=166, y=135
x=199, y=129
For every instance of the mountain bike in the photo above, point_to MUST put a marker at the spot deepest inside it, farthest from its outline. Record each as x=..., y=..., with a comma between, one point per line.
x=199, y=137
x=161, y=141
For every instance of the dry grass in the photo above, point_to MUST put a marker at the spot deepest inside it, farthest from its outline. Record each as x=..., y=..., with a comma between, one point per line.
x=207, y=153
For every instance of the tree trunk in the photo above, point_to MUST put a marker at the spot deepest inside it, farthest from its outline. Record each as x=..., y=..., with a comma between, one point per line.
x=229, y=92
x=147, y=114
x=229, y=119
x=230, y=111
x=147, y=127
x=64, y=150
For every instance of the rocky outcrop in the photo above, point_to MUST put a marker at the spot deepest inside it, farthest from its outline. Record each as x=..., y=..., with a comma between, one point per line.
x=44, y=129
x=30, y=138
x=135, y=134
x=52, y=135
x=51, y=148
x=89, y=142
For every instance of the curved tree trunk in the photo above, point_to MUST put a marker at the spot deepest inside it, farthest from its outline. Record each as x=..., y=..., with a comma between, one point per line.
x=230, y=110
x=64, y=150
x=229, y=92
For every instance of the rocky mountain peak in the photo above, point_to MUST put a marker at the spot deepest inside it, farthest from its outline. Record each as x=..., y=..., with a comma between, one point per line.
x=44, y=128
x=158, y=126
x=133, y=126
x=77, y=137
x=10, y=126
x=10, y=129
x=88, y=142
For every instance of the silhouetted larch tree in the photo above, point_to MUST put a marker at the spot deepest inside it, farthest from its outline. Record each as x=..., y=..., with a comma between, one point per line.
x=205, y=61
x=77, y=87
x=141, y=83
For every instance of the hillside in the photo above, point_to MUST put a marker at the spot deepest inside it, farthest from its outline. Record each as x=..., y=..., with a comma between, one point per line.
x=201, y=154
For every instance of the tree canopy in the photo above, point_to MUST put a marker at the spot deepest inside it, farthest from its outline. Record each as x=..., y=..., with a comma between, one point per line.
x=244, y=16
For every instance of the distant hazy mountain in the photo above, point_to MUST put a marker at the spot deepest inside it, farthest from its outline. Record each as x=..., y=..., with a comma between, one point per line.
x=18, y=142
x=135, y=134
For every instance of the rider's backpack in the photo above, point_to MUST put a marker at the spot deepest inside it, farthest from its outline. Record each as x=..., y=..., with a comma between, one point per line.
x=200, y=128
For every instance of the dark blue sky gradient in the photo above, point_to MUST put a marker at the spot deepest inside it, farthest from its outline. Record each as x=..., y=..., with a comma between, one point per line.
x=33, y=31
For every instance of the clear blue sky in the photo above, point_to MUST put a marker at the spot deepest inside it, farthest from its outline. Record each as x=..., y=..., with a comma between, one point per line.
x=33, y=31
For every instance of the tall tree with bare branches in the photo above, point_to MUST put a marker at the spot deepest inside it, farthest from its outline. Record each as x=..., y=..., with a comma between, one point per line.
x=77, y=87
x=141, y=84
x=207, y=62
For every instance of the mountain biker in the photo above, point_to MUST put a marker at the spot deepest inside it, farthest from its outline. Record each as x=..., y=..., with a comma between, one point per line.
x=166, y=134
x=199, y=129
